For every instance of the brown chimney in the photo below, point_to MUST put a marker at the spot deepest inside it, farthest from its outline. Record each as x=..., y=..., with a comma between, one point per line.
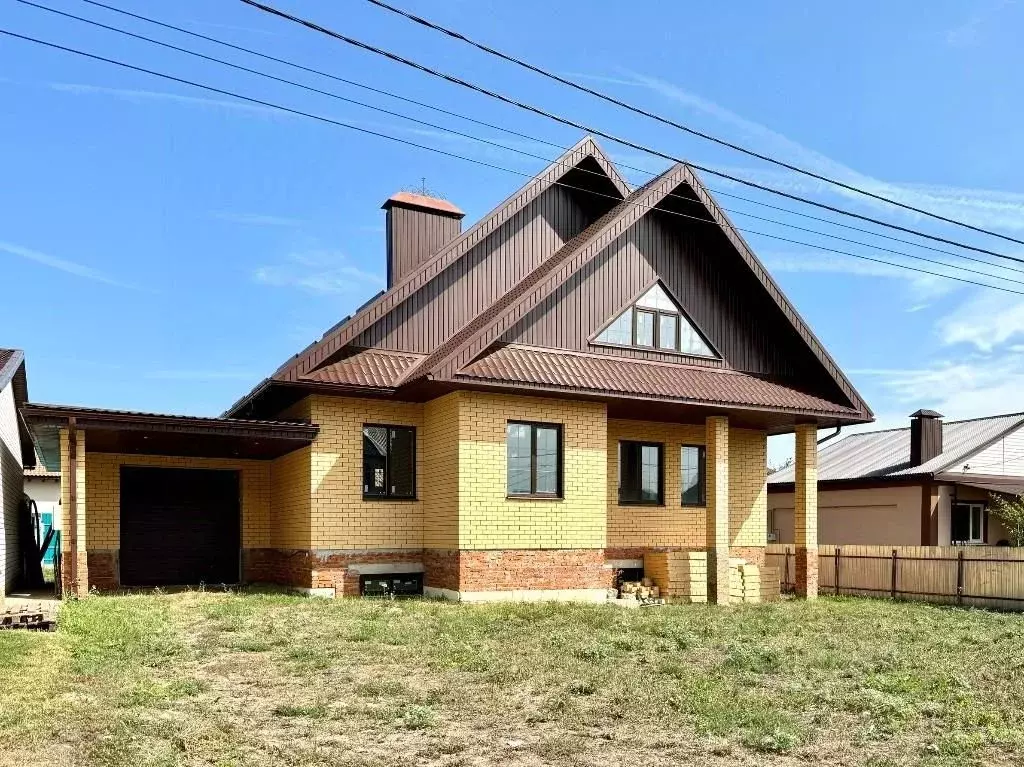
x=417, y=226
x=925, y=436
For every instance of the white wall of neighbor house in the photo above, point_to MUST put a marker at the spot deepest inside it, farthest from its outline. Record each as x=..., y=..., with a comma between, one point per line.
x=1002, y=458
x=45, y=491
x=871, y=516
x=11, y=483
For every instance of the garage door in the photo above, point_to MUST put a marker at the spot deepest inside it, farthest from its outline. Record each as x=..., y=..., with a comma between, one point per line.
x=179, y=526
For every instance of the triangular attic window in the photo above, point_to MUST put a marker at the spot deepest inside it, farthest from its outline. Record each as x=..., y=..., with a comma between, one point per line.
x=656, y=322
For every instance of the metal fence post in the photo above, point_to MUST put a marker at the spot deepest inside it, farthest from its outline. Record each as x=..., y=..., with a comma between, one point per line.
x=893, y=590
x=960, y=577
x=785, y=569
x=838, y=549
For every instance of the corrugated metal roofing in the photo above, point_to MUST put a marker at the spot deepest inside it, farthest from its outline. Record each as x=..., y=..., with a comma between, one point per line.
x=617, y=375
x=371, y=368
x=887, y=453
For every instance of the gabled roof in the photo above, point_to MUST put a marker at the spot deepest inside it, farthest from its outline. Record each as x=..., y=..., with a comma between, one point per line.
x=488, y=326
x=337, y=363
x=448, y=255
x=885, y=454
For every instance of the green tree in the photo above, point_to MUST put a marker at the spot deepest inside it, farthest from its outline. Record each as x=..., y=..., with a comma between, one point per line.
x=1010, y=511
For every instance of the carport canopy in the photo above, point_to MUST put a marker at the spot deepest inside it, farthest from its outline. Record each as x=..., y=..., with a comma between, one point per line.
x=119, y=431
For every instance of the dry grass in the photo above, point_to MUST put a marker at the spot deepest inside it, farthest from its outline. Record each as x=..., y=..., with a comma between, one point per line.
x=247, y=679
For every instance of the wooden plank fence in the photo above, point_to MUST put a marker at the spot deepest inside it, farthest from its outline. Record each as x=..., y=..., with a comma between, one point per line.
x=979, y=576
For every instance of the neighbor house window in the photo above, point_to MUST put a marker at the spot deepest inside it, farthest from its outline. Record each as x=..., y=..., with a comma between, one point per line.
x=389, y=461
x=534, y=459
x=655, y=321
x=692, y=469
x=968, y=523
x=640, y=473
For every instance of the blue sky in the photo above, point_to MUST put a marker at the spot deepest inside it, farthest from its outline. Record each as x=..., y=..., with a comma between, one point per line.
x=163, y=248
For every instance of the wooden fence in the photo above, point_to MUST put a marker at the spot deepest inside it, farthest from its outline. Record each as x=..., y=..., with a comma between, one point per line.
x=979, y=576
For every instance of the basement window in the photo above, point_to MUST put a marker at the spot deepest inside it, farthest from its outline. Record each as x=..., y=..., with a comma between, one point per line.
x=534, y=460
x=389, y=462
x=641, y=478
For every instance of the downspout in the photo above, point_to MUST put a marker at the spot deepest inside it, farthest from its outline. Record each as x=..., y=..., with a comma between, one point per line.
x=833, y=435
x=73, y=503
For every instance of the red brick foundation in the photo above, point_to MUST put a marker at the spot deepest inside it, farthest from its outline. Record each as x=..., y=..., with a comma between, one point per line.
x=323, y=569
x=517, y=570
x=754, y=555
x=806, y=572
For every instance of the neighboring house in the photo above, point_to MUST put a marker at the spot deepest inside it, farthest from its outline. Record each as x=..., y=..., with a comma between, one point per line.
x=15, y=449
x=926, y=485
x=43, y=487
x=588, y=373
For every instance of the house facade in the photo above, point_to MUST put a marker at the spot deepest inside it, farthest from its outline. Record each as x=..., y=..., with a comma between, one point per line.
x=930, y=484
x=15, y=447
x=588, y=373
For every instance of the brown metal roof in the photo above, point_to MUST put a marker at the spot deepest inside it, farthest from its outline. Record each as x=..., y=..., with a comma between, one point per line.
x=10, y=361
x=656, y=380
x=372, y=368
x=38, y=412
x=423, y=201
x=498, y=317
x=488, y=326
x=333, y=341
x=126, y=431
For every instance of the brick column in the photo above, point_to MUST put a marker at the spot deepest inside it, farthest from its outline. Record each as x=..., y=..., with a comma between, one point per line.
x=73, y=496
x=805, y=512
x=717, y=522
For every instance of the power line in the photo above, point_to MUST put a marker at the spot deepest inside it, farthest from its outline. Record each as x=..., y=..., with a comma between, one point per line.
x=664, y=120
x=611, y=137
x=366, y=131
x=311, y=70
x=502, y=146
x=500, y=128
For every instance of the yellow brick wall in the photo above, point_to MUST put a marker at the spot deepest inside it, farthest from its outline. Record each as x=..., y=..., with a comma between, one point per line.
x=291, y=495
x=488, y=519
x=748, y=489
x=65, y=491
x=685, y=526
x=103, y=491
x=340, y=518
x=440, y=490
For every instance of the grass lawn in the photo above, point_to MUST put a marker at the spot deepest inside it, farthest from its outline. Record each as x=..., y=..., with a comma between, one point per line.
x=260, y=679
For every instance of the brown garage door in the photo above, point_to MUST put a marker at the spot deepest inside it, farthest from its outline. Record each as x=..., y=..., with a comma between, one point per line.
x=179, y=526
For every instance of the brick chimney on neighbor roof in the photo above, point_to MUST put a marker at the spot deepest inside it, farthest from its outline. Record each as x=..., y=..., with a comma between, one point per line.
x=417, y=226
x=925, y=436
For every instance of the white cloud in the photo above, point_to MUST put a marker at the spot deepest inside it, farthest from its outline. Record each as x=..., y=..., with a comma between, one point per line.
x=970, y=32
x=257, y=219
x=958, y=388
x=924, y=287
x=321, y=272
x=201, y=375
x=986, y=322
x=61, y=264
x=139, y=96
x=981, y=207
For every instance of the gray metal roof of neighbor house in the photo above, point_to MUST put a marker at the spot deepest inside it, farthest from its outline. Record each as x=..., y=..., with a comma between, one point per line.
x=886, y=454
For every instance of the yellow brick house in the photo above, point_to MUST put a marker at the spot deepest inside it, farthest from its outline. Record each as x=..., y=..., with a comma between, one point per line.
x=586, y=375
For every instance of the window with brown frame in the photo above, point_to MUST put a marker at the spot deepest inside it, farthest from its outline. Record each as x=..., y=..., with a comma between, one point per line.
x=534, y=459
x=692, y=467
x=641, y=475
x=655, y=321
x=389, y=462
